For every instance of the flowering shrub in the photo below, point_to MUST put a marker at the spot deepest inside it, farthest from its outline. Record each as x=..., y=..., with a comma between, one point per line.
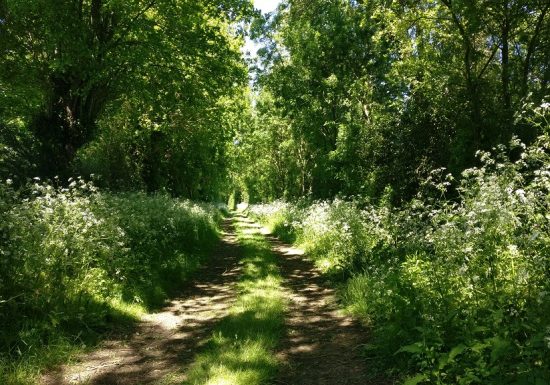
x=456, y=290
x=280, y=217
x=334, y=234
x=68, y=254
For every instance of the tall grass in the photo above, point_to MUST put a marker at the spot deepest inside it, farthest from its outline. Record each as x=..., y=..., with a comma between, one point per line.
x=457, y=291
x=76, y=262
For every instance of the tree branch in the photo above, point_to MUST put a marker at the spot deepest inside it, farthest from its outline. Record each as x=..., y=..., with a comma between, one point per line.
x=531, y=48
x=495, y=49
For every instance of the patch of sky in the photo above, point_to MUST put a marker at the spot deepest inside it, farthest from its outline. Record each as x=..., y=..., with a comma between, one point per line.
x=265, y=6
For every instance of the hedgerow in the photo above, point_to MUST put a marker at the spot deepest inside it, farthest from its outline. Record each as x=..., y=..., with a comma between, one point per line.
x=456, y=284
x=75, y=261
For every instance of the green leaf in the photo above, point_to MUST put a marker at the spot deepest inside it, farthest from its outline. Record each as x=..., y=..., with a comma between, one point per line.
x=415, y=379
x=447, y=358
x=500, y=347
x=480, y=329
x=412, y=348
x=457, y=350
x=479, y=347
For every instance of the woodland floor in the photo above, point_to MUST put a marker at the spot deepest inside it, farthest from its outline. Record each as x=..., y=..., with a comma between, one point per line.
x=320, y=344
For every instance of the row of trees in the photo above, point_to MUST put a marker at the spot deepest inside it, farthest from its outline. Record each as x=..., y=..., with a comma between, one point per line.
x=143, y=94
x=140, y=92
x=351, y=96
x=358, y=95
x=370, y=101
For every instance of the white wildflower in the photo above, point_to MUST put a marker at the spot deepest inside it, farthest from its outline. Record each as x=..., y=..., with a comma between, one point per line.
x=521, y=195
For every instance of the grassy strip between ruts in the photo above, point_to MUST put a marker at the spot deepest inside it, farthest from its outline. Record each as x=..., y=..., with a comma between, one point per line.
x=240, y=350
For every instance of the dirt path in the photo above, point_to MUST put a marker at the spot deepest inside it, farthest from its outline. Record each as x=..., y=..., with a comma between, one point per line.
x=167, y=341
x=321, y=346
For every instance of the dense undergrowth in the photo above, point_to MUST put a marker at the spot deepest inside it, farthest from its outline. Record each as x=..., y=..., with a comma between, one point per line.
x=457, y=291
x=76, y=263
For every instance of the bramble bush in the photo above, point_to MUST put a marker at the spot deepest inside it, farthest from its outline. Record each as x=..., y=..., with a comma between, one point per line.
x=457, y=291
x=73, y=260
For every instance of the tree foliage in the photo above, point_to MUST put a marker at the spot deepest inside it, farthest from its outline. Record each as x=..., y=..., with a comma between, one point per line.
x=377, y=93
x=155, y=73
x=353, y=104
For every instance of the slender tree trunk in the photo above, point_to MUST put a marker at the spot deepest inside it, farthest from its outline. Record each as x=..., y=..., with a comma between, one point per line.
x=507, y=114
x=531, y=50
x=472, y=86
x=472, y=81
x=505, y=73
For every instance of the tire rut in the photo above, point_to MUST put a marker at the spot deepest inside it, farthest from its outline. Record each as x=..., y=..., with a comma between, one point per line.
x=321, y=345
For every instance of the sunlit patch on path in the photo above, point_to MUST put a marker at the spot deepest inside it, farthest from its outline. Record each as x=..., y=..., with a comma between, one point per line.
x=241, y=349
x=165, y=342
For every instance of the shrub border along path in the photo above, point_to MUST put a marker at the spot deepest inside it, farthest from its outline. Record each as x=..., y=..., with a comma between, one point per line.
x=166, y=341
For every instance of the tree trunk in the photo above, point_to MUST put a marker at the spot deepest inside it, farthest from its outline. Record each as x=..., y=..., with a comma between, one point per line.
x=531, y=50
x=67, y=123
x=506, y=131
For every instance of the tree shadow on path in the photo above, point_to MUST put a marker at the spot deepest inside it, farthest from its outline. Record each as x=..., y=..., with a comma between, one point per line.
x=167, y=341
x=321, y=345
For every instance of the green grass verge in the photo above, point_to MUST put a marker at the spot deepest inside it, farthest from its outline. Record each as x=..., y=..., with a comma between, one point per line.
x=64, y=342
x=240, y=350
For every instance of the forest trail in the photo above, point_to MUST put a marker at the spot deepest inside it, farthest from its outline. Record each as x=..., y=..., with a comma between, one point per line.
x=320, y=344
x=168, y=340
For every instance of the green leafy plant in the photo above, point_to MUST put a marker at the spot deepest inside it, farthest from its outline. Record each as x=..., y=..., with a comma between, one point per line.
x=76, y=262
x=456, y=290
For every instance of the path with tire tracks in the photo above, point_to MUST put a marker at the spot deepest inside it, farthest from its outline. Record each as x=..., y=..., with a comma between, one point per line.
x=319, y=345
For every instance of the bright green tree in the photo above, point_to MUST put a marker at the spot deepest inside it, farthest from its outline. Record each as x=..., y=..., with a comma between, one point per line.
x=82, y=58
